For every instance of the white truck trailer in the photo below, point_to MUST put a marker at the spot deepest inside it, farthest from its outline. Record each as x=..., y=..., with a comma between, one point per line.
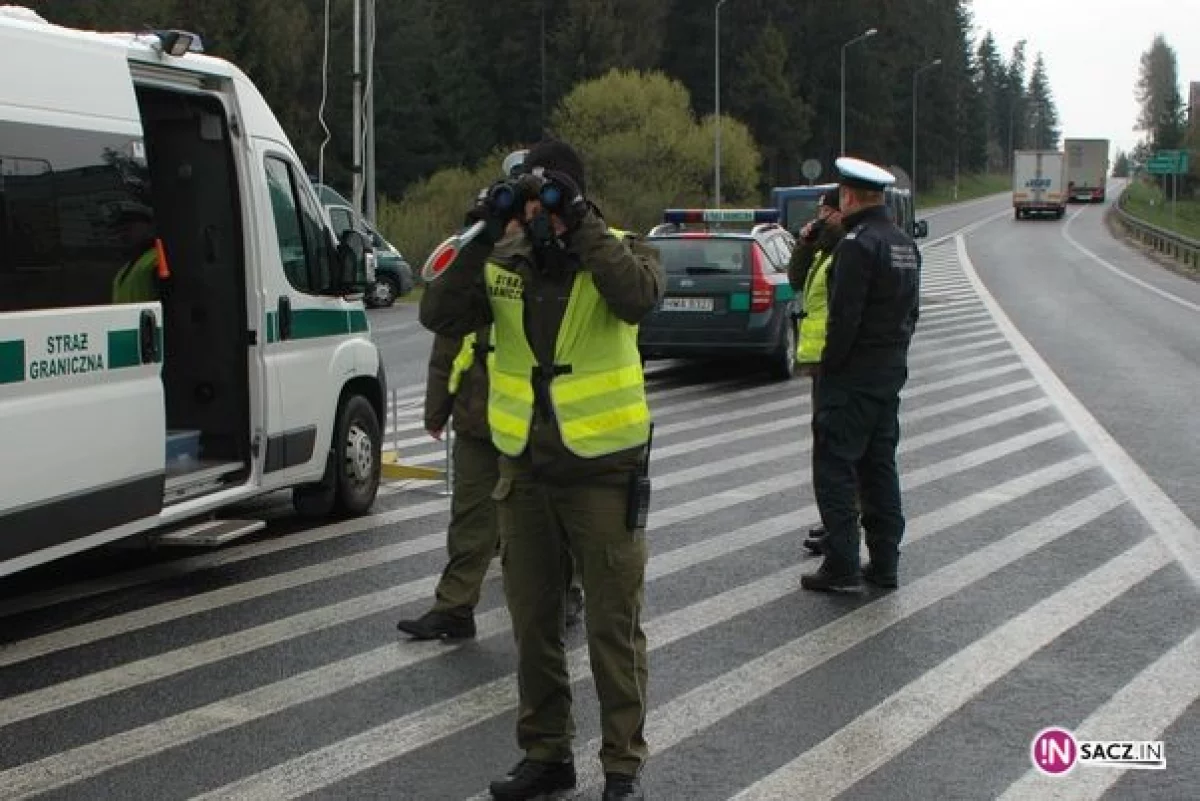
x=1087, y=169
x=1039, y=183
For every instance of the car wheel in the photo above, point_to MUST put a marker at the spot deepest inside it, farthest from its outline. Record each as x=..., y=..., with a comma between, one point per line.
x=353, y=468
x=384, y=292
x=783, y=362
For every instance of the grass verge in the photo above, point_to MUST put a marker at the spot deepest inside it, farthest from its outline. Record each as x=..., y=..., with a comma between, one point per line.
x=970, y=187
x=1146, y=201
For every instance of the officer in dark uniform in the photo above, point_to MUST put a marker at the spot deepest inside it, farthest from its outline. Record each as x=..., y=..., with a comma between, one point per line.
x=874, y=286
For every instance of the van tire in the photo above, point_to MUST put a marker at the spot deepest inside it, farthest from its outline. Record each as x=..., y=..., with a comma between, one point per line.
x=352, y=469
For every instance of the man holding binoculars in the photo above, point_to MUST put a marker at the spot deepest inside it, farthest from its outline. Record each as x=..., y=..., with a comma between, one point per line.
x=567, y=410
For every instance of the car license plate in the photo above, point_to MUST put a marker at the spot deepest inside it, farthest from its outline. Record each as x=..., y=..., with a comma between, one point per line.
x=687, y=304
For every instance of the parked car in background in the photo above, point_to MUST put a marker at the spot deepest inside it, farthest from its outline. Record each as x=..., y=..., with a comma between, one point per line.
x=393, y=274
x=798, y=204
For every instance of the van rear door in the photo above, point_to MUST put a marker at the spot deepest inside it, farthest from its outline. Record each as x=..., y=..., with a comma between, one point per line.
x=81, y=399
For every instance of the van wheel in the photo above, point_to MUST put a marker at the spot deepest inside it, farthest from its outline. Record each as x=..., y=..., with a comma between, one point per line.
x=783, y=362
x=352, y=471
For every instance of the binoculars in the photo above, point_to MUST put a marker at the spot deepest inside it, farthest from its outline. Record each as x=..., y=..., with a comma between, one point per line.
x=507, y=198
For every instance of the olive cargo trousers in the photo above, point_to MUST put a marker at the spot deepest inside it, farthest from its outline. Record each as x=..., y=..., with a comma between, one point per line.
x=543, y=525
x=473, y=531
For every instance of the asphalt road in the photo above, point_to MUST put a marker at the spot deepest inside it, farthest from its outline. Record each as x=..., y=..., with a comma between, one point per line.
x=1041, y=585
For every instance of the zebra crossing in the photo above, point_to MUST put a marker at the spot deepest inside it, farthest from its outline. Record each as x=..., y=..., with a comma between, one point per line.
x=1033, y=593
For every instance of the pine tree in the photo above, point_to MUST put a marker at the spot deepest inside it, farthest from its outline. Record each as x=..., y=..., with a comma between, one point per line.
x=1162, y=109
x=1044, y=132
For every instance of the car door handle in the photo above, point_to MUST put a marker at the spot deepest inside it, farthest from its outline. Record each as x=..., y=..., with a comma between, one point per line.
x=148, y=337
x=285, y=318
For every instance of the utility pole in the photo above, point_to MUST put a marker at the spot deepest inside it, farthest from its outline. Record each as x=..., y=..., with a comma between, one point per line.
x=542, y=46
x=356, y=191
x=369, y=200
x=717, y=102
x=917, y=73
x=864, y=35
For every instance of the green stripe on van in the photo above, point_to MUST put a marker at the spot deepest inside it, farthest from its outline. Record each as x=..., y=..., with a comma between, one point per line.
x=123, y=349
x=314, y=323
x=12, y=361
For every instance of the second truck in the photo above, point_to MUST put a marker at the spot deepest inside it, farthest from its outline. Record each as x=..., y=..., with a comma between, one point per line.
x=1087, y=169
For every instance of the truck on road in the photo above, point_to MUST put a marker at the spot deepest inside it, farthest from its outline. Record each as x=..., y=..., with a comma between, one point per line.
x=1087, y=169
x=1039, y=183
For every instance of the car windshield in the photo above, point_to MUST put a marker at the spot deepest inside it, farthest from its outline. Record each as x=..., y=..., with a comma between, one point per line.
x=701, y=255
x=799, y=211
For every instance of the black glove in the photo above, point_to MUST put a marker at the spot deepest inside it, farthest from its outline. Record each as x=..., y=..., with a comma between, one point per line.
x=570, y=205
x=495, y=217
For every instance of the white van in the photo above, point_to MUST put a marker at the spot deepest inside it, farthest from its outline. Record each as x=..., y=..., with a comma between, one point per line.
x=179, y=329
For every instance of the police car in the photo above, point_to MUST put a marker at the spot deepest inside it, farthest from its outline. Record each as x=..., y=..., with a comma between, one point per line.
x=727, y=289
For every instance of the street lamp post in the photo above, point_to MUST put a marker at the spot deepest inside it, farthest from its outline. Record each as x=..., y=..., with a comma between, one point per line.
x=717, y=99
x=916, y=73
x=865, y=35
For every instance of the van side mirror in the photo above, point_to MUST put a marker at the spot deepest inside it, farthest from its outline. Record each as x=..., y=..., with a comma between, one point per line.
x=920, y=229
x=353, y=266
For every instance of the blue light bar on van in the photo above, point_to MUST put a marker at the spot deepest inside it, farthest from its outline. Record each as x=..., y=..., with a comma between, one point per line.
x=679, y=216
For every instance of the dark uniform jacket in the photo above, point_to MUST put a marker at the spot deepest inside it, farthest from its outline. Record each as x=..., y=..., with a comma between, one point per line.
x=627, y=274
x=826, y=239
x=469, y=404
x=874, y=287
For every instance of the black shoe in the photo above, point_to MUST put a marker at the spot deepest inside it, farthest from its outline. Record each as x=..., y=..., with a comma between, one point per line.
x=622, y=787
x=574, y=611
x=831, y=578
x=530, y=779
x=880, y=578
x=438, y=625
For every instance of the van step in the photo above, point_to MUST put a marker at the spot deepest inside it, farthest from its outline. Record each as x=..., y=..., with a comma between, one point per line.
x=211, y=533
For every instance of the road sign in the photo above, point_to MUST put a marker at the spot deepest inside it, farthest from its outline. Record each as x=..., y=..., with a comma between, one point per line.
x=1168, y=162
x=811, y=169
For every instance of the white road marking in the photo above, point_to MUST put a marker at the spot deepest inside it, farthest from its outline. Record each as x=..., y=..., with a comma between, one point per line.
x=1176, y=530
x=874, y=738
x=1141, y=710
x=1133, y=279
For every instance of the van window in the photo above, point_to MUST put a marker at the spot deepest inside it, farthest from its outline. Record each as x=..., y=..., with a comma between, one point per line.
x=75, y=209
x=303, y=240
x=341, y=219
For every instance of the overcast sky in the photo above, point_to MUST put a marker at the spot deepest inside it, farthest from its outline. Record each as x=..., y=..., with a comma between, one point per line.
x=1092, y=50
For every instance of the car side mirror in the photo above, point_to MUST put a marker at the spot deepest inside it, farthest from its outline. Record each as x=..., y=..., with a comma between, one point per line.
x=920, y=229
x=353, y=263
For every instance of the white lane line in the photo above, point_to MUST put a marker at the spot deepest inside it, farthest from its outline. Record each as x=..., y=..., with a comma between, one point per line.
x=260, y=636
x=947, y=208
x=874, y=738
x=706, y=705
x=96, y=757
x=321, y=768
x=1133, y=279
x=971, y=314
x=1141, y=710
x=957, y=350
x=933, y=243
x=1173, y=527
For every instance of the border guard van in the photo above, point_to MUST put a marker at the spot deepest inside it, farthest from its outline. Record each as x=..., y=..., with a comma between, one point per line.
x=179, y=328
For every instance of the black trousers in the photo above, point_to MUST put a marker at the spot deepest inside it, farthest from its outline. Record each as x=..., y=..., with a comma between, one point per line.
x=856, y=430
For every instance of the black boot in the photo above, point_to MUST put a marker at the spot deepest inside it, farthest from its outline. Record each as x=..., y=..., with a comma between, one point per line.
x=880, y=576
x=622, y=787
x=439, y=625
x=531, y=779
x=832, y=576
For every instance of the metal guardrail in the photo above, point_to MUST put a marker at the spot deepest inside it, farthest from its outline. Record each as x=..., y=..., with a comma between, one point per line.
x=1169, y=243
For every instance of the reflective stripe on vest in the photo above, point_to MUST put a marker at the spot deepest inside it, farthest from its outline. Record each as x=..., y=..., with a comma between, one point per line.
x=597, y=392
x=816, y=311
x=465, y=358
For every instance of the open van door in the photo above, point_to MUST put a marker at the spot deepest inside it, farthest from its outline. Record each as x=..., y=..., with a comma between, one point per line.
x=81, y=398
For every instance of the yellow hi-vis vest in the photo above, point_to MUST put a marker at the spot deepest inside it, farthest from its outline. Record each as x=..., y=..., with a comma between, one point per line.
x=595, y=385
x=816, y=310
x=463, y=361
